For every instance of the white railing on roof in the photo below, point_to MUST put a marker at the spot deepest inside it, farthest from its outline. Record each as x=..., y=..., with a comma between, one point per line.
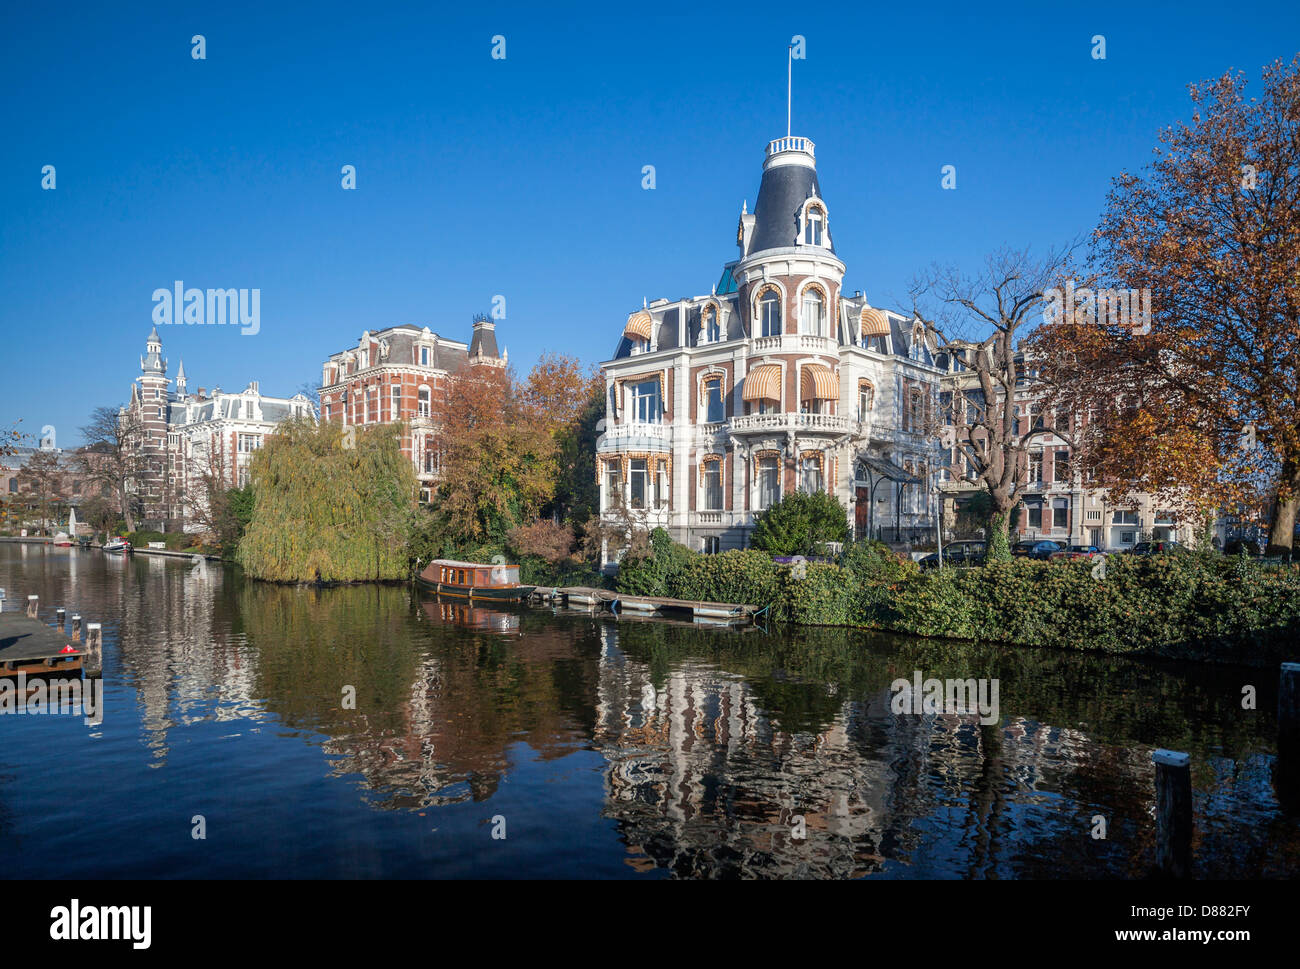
x=791, y=143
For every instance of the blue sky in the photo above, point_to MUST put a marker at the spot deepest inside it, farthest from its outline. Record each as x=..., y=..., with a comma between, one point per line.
x=522, y=177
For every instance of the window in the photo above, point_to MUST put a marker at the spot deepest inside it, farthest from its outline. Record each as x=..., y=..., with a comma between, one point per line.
x=1126, y=517
x=638, y=478
x=1061, y=466
x=877, y=343
x=1061, y=514
x=713, y=485
x=424, y=356
x=422, y=407
x=769, y=482
x=812, y=227
x=645, y=402
x=1035, y=516
x=243, y=477
x=713, y=409
x=710, y=332
x=1036, y=412
x=813, y=320
x=396, y=396
x=766, y=406
x=1127, y=538
x=712, y=545
x=810, y=474
x=1093, y=516
x=661, y=485
x=1035, y=466
x=866, y=397
x=430, y=462
x=613, y=482
x=769, y=313
x=249, y=443
x=1165, y=518
x=13, y=486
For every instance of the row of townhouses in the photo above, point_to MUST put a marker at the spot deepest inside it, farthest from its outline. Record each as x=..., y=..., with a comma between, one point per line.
x=778, y=380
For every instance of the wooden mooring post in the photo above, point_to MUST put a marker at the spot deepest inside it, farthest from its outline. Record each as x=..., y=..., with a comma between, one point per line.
x=76, y=628
x=94, y=661
x=33, y=606
x=60, y=615
x=1173, y=812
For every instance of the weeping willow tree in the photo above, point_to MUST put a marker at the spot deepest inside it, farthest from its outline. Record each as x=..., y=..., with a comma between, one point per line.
x=330, y=504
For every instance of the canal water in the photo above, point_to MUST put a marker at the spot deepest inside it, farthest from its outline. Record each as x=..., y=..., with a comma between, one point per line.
x=525, y=743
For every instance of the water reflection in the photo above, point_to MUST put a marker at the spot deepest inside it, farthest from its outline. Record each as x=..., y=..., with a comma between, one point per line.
x=674, y=749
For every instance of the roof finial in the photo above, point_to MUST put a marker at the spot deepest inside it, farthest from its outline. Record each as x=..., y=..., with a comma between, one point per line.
x=643, y=304
x=744, y=207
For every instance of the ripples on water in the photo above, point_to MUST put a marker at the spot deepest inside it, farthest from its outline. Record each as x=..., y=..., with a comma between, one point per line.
x=608, y=749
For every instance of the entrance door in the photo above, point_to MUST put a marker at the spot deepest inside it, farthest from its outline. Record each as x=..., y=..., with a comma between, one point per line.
x=861, y=503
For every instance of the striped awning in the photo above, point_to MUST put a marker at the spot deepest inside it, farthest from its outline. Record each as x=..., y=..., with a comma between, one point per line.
x=874, y=322
x=639, y=325
x=818, y=383
x=763, y=383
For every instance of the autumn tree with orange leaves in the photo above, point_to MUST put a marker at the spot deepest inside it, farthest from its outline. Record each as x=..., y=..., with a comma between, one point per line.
x=505, y=451
x=1208, y=401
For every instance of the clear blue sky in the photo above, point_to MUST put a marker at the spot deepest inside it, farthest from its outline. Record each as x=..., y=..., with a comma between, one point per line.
x=522, y=176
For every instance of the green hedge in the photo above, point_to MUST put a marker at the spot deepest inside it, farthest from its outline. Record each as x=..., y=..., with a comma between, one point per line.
x=1203, y=606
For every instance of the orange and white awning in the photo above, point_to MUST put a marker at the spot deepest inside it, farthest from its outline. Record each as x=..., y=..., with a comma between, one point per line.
x=763, y=383
x=818, y=383
x=639, y=326
x=874, y=322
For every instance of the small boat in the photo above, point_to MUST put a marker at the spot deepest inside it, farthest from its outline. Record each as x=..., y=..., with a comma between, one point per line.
x=61, y=540
x=117, y=544
x=474, y=580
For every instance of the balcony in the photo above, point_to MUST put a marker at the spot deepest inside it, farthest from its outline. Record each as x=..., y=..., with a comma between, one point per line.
x=640, y=434
x=795, y=343
x=780, y=423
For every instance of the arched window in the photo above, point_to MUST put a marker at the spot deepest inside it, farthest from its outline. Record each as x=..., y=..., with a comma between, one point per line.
x=710, y=331
x=711, y=479
x=711, y=402
x=866, y=398
x=424, y=403
x=814, y=225
x=769, y=313
x=813, y=312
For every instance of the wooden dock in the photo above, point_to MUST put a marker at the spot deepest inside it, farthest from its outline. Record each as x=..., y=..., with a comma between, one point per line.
x=584, y=597
x=30, y=646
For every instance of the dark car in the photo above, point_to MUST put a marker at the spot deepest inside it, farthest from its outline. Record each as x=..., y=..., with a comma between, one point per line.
x=1042, y=549
x=958, y=553
x=1155, y=548
x=1077, y=552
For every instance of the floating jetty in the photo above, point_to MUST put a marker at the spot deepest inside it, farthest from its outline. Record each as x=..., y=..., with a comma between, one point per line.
x=583, y=597
x=29, y=645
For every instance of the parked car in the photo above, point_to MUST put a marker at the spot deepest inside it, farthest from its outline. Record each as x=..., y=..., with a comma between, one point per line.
x=1077, y=552
x=1243, y=546
x=958, y=553
x=1042, y=549
x=1155, y=548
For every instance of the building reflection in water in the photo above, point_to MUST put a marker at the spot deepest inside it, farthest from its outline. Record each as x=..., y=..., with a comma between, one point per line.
x=713, y=743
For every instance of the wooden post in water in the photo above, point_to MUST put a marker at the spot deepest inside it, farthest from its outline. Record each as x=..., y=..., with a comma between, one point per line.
x=60, y=614
x=76, y=629
x=1173, y=812
x=94, y=661
x=33, y=606
x=1288, y=735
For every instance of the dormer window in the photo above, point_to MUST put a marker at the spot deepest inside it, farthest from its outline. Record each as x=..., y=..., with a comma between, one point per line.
x=711, y=332
x=812, y=228
x=424, y=356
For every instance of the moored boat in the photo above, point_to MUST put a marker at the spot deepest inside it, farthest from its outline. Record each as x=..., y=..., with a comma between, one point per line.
x=117, y=544
x=474, y=580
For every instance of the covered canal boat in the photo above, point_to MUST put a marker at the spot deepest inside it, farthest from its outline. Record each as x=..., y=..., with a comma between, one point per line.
x=474, y=580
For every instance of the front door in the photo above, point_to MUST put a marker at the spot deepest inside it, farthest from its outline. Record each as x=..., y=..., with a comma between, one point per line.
x=860, y=505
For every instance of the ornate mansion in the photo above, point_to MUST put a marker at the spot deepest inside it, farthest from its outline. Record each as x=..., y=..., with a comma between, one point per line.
x=777, y=381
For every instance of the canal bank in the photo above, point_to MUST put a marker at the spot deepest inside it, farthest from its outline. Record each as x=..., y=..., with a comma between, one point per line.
x=362, y=731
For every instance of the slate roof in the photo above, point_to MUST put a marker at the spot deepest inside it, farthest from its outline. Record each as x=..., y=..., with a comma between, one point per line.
x=781, y=194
